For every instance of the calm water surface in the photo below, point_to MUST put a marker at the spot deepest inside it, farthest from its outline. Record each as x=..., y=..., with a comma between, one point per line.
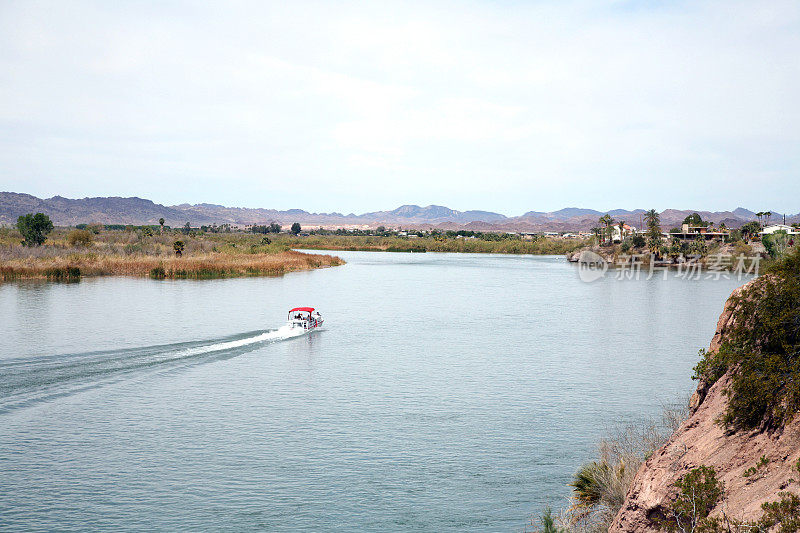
x=447, y=392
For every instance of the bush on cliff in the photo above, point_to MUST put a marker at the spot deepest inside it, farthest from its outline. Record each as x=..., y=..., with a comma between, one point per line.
x=698, y=492
x=762, y=351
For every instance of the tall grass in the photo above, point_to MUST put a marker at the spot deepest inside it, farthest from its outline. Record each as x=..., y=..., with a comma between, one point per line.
x=132, y=254
x=599, y=487
x=198, y=267
x=541, y=246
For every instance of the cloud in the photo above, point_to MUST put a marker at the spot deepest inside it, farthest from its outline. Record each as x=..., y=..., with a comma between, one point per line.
x=505, y=106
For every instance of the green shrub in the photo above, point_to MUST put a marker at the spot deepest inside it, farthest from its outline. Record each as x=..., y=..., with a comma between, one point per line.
x=776, y=244
x=762, y=351
x=133, y=249
x=769, y=245
x=783, y=515
x=158, y=272
x=548, y=523
x=34, y=228
x=63, y=274
x=699, y=491
x=754, y=469
x=79, y=237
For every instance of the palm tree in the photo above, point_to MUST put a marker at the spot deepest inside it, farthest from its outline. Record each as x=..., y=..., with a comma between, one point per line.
x=607, y=220
x=161, y=223
x=675, y=248
x=596, y=232
x=759, y=215
x=767, y=214
x=750, y=229
x=652, y=218
x=621, y=229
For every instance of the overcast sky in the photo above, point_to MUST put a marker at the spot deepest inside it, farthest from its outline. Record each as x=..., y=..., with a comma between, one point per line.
x=329, y=106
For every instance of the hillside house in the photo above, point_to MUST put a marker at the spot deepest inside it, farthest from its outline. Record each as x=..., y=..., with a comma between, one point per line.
x=617, y=235
x=773, y=228
x=691, y=233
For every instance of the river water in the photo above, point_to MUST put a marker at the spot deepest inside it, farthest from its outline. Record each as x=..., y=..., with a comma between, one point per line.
x=447, y=392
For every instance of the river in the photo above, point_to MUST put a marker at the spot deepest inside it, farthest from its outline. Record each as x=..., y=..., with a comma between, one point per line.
x=446, y=392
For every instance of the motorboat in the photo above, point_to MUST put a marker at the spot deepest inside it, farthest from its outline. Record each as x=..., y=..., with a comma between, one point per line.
x=305, y=318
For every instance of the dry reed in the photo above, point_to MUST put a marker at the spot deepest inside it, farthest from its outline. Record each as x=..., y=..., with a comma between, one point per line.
x=203, y=265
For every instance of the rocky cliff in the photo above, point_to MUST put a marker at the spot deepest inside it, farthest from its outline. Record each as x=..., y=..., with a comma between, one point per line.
x=755, y=465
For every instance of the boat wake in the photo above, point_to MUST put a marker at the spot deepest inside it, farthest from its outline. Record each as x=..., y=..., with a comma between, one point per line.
x=25, y=382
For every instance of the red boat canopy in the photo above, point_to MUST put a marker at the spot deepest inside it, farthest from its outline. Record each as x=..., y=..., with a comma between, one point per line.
x=304, y=309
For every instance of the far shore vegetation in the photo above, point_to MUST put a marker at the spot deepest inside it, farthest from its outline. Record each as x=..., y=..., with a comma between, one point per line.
x=466, y=241
x=697, y=241
x=36, y=250
x=273, y=238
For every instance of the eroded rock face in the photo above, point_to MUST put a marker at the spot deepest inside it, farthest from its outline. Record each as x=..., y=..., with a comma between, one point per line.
x=702, y=441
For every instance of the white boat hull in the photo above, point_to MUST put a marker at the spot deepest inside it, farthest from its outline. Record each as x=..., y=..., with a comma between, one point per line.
x=304, y=325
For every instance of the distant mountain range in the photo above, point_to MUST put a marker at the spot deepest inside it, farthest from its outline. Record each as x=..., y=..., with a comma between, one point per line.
x=116, y=210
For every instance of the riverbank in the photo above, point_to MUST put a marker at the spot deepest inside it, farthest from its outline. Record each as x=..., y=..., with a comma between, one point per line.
x=120, y=253
x=737, y=450
x=492, y=244
x=206, y=266
x=717, y=256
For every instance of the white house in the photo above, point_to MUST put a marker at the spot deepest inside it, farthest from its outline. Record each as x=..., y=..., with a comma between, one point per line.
x=769, y=230
x=617, y=235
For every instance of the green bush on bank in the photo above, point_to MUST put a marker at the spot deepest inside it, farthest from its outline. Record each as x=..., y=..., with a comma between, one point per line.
x=66, y=274
x=512, y=244
x=699, y=492
x=762, y=350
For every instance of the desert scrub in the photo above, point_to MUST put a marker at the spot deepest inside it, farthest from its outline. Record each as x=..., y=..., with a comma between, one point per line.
x=204, y=266
x=439, y=243
x=781, y=515
x=753, y=470
x=79, y=237
x=9, y=236
x=142, y=251
x=761, y=352
x=699, y=491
